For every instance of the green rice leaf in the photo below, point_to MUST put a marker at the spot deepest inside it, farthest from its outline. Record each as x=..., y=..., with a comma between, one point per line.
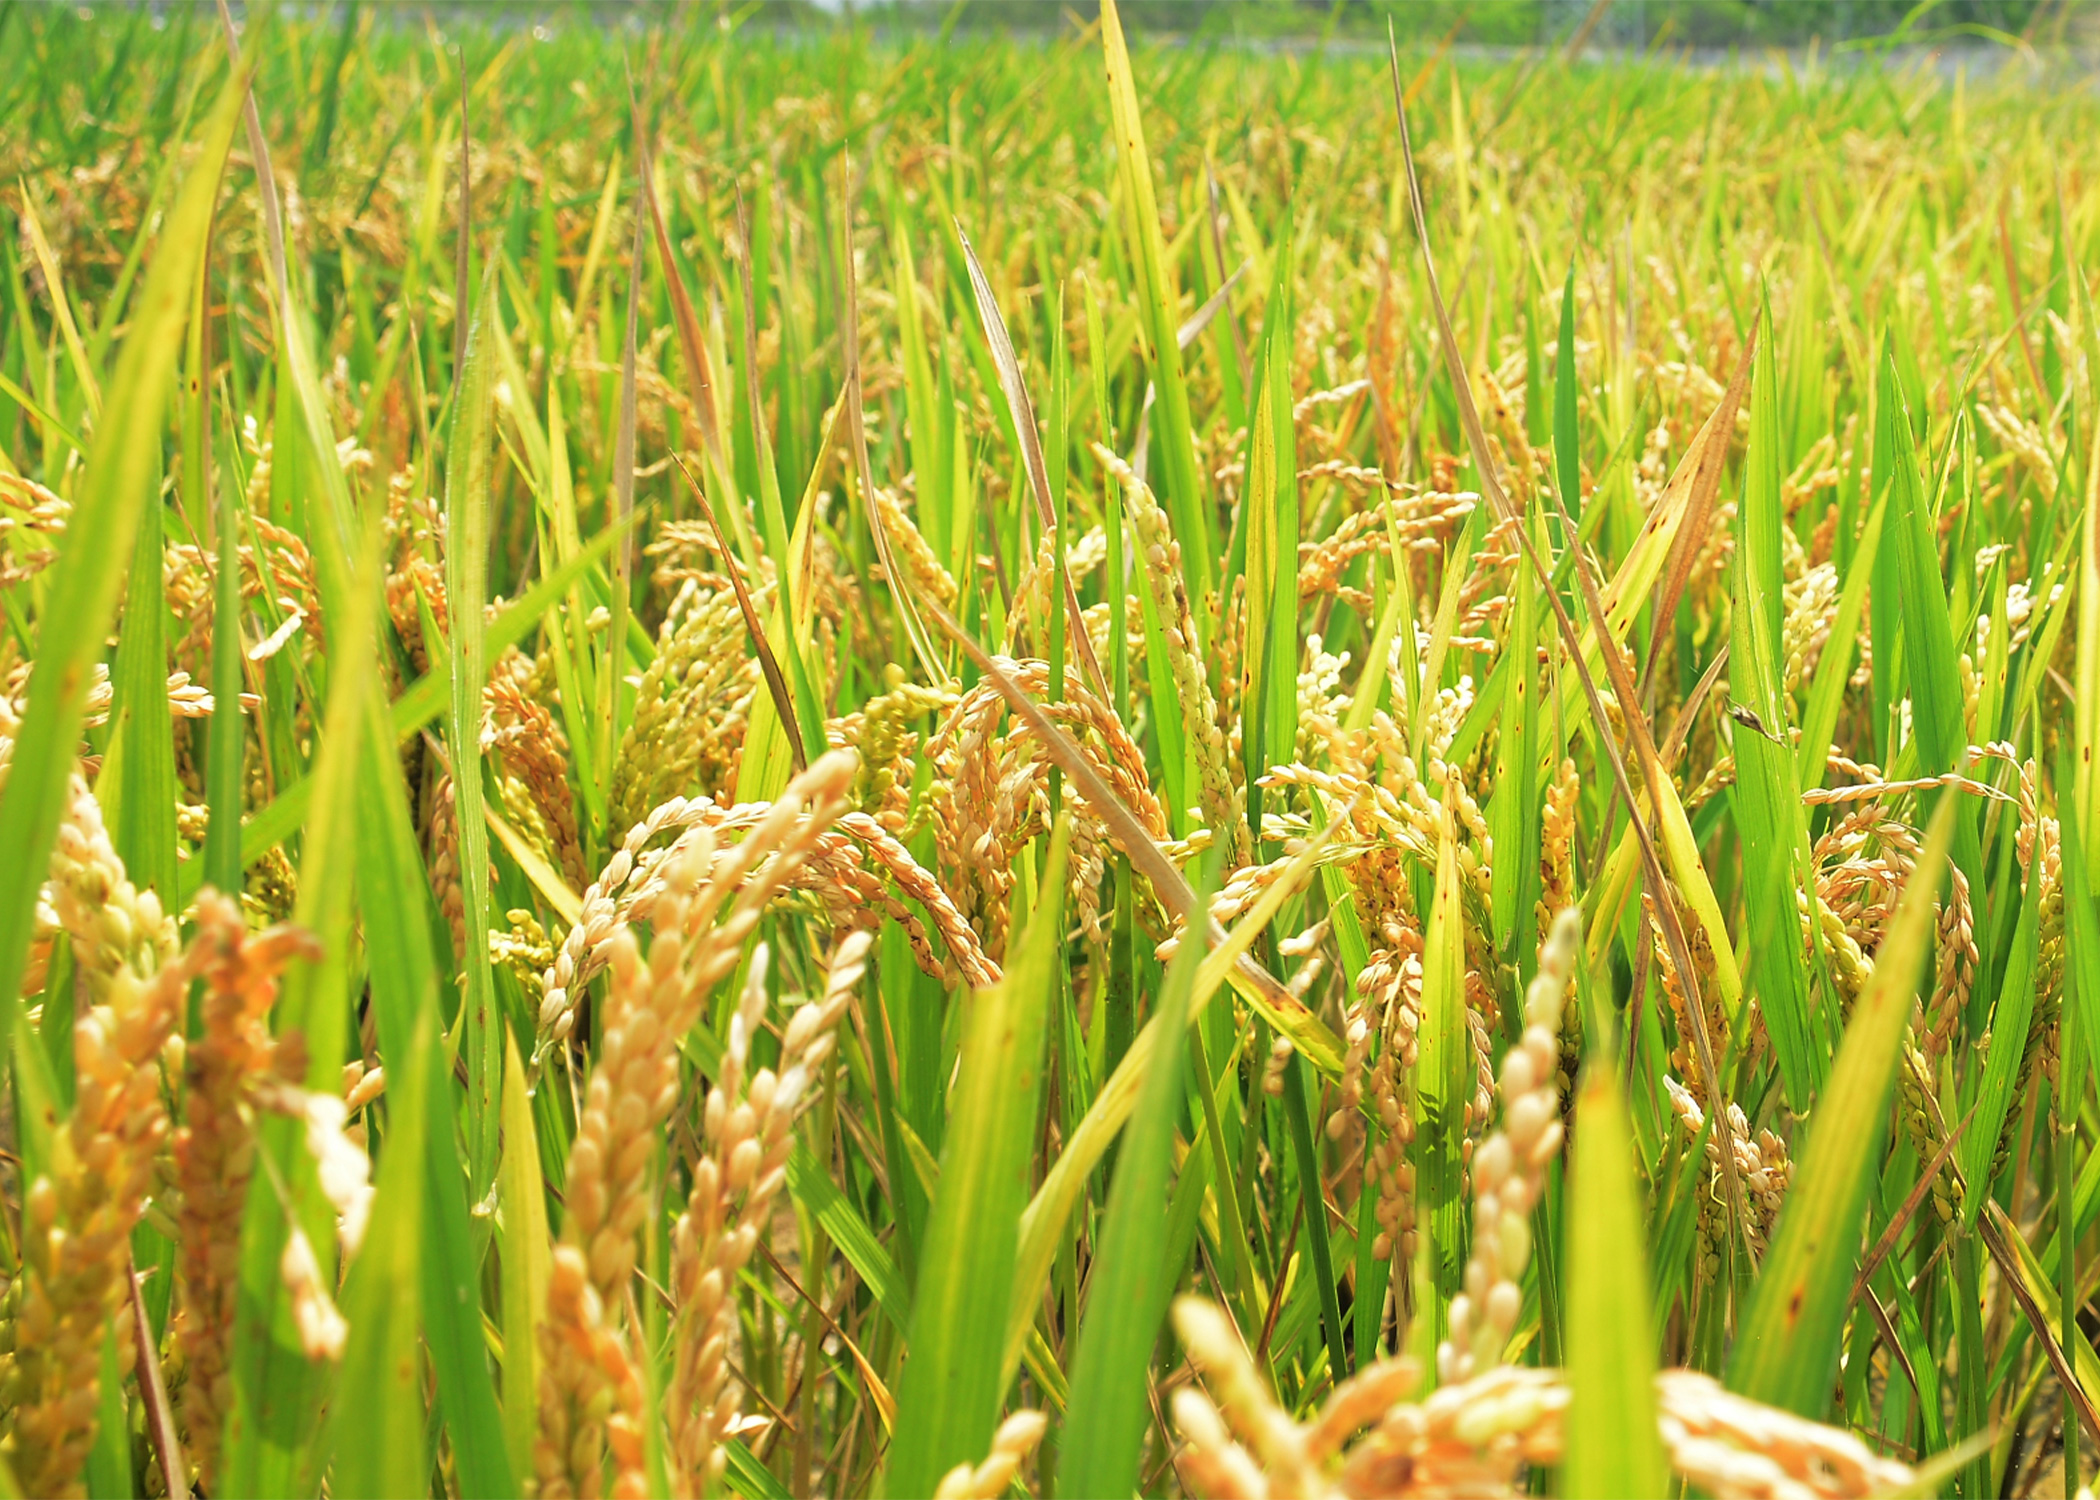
x=466, y=586
x=1130, y=1283
x=1567, y=446
x=1444, y=1079
x=2081, y=940
x=1787, y=1352
x=404, y=987
x=1910, y=570
x=816, y=1192
x=1051, y=1208
x=118, y=484
x=273, y=1424
x=526, y=1261
x=1513, y=813
x=2007, y=1048
x=109, y=1461
x=949, y=1394
x=1159, y=304
x=376, y=1426
x=2086, y=786
x=425, y=699
x=1767, y=810
x=1834, y=671
x=1613, y=1447
x=137, y=787
x=1270, y=731
x=750, y=1478
x=227, y=746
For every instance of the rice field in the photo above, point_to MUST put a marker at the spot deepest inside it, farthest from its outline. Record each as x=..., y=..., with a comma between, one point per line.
x=812, y=763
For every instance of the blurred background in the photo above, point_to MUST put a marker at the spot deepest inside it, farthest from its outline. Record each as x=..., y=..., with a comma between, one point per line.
x=1605, y=25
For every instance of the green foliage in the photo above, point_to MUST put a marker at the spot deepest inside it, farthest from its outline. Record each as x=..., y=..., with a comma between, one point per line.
x=949, y=1398
x=1105, y=1433
x=801, y=399
x=1788, y=1350
x=1612, y=1446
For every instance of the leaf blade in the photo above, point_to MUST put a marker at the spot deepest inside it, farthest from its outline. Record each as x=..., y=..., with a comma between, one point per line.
x=1128, y=1287
x=1767, y=812
x=950, y=1391
x=90, y=569
x=1613, y=1447
x=1787, y=1352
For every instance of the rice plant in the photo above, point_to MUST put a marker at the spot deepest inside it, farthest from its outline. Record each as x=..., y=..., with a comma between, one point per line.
x=875, y=764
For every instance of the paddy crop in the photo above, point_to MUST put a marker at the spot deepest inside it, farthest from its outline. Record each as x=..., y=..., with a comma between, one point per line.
x=844, y=764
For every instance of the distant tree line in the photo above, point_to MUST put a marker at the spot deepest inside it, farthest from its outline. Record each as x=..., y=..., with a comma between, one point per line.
x=1618, y=23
